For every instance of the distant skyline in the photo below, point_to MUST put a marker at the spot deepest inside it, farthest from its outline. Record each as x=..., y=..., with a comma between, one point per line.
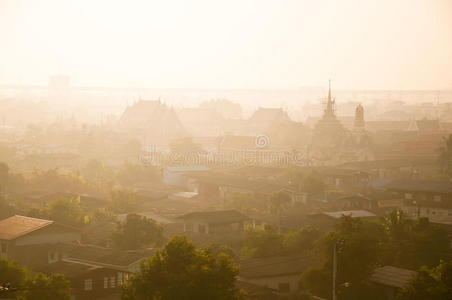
x=375, y=44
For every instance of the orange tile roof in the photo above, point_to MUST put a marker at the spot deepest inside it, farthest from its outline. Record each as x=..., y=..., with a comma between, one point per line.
x=17, y=226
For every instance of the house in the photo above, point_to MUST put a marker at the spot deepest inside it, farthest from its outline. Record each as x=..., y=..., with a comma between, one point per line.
x=213, y=222
x=89, y=281
x=424, y=198
x=392, y=168
x=355, y=201
x=96, y=272
x=222, y=186
x=281, y=273
x=391, y=279
x=32, y=241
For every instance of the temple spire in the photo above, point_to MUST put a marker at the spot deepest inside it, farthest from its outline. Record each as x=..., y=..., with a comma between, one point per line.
x=329, y=105
x=329, y=90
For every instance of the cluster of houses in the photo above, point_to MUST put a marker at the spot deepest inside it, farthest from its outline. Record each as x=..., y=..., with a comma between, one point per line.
x=199, y=206
x=365, y=169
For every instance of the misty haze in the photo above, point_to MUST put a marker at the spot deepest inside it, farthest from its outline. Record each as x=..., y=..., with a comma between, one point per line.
x=230, y=150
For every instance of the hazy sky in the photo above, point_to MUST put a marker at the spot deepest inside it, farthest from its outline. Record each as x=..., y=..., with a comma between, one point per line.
x=391, y=44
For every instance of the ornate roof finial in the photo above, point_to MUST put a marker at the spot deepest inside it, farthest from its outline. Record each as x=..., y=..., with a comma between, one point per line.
x=329, y=105
x=329, y=90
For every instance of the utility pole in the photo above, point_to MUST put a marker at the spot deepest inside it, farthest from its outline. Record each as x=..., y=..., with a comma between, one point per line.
x=334, y=269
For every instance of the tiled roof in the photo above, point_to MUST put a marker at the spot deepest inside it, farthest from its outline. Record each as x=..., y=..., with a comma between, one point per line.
x=392, y=276
x=17, y=226
x=69, y=269
x=107, y=256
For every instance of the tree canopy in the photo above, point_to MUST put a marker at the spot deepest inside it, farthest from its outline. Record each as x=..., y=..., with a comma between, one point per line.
x=430, y=283
x=137, y=231
x=180, y=271
x=25, y=285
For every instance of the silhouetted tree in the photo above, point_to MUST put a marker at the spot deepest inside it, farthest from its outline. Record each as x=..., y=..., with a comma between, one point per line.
x=180, y=271
x=430, y=283
x=137, y=231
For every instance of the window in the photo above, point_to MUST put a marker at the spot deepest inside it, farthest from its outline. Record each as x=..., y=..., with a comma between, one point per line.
x=113, y=282
x=105, y=282
x=88, y=284
x=408, y=196
x=284, y=287
x=437, y=198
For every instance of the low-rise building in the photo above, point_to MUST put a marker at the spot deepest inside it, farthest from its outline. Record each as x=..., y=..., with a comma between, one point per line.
x=214, y=222
x=32, y=241
x=424, y=198
x=281, y=273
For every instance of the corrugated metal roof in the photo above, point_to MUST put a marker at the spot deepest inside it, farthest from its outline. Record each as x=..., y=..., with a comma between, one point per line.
x=17, y=226
x=392, y=276
x=351, y=213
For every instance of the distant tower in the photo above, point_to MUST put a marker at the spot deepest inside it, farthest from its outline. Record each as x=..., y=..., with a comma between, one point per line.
x=359, y=118
x=329, y=111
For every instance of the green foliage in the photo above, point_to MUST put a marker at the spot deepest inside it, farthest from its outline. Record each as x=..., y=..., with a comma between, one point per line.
x=53, y=180
x=11, y=273
x=300, y=241
x=411, y=244
x=124, y=201
x=365, y=245
x=43, y=287
x=262, y=243
x=357, y=256
x=180, y=271
x=137, y=231
x=66, y=210
x=32, y=286
x=129, y=174
x=7, y=208
x=430, y=283
x=267, y=242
